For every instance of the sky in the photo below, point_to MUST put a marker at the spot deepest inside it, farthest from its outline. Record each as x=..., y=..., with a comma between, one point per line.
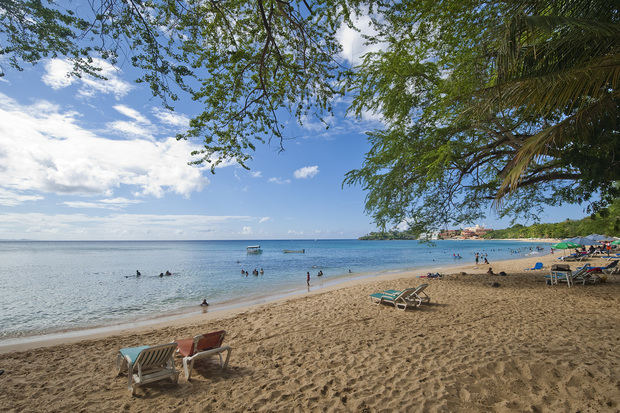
x=89, y=159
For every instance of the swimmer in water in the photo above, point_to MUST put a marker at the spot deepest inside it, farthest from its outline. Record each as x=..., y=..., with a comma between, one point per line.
x=204, y=303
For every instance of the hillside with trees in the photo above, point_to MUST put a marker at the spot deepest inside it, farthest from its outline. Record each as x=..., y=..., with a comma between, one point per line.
x=606, y=222
x=390, y=235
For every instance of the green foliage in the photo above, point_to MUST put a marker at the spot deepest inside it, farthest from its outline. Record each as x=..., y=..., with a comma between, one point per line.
x=391, y=235
x=606, y=222
x=561, y=58
x=247, y=64
x=459, y=119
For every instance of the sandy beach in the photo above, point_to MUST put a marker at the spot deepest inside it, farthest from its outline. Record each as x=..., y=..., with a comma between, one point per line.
x=519, y=346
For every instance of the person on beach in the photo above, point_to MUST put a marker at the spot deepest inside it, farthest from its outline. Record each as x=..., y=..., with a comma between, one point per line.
x=204, y=303
x=490, y=272
x=477, y=258
x=308, y=278
x=485, y=260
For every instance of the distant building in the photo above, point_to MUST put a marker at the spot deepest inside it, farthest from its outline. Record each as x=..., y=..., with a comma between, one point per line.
x=476, y=231
x=429, y=235
x=449, y=233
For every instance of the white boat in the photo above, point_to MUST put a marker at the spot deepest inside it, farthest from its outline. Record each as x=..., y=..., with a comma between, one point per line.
x=254, y=249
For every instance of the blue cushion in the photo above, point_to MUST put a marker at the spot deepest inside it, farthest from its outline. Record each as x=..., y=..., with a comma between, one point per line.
x=132, y=352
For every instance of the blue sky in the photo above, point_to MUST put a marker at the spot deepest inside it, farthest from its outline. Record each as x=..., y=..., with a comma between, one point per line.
x=86, y=159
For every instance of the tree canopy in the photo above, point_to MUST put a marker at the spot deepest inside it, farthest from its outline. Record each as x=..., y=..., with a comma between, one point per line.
x=491, y=101
x=482, y=101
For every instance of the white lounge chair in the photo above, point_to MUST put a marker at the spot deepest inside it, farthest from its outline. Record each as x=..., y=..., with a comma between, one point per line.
x=420, y=295
x=408, y=298
x=147, y=364
x=203, y=346
x=568, y=276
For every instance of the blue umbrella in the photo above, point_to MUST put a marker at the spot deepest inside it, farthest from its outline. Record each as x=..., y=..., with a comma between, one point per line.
x=598, y=237
x=582, y=240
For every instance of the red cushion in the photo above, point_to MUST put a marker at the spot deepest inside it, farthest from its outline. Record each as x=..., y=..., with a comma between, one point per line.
x=206, y=342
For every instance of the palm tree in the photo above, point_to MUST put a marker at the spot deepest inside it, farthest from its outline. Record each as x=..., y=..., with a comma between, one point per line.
x=560, y=61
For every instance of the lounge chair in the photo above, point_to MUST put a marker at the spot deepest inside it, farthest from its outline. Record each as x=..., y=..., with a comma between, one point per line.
x=567, y=276
x=398, y=299
x=203, y=346
x=537, y=266
x=420, y=295
x=608, y=269
x=611, y=268
x=147, y=364
x=408, y=298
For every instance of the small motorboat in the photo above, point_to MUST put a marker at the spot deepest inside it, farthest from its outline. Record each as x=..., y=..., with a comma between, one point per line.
x=254, y=249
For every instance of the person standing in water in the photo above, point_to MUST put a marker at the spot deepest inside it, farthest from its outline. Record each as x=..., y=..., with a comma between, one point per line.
x=308, y=278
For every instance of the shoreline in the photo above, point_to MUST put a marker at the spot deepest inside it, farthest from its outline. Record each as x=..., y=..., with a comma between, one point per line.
x=231, y=308
x=483, y=343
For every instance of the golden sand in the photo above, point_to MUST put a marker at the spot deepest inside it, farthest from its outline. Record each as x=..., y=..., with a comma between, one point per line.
x=522, y=346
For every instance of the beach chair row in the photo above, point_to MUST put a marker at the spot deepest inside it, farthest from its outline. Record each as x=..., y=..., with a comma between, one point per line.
x=147, y=364
x=586, y=274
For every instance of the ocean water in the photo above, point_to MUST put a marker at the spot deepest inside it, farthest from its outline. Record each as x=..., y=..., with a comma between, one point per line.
x=53, y=286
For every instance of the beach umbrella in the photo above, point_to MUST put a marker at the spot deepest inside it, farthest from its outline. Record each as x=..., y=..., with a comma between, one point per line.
x=598, y=237
x=616, y=242
x=565, y=245
x=582, y=240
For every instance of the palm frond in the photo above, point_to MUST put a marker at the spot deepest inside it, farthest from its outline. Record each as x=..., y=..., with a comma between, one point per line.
x=557, y=135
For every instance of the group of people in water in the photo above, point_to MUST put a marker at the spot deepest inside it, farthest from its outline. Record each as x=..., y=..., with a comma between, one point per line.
x=319, y=274
x=480, y=256
x=161, y=274
x=254, y=272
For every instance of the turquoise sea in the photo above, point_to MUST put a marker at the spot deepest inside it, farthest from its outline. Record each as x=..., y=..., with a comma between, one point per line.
x=54, y=286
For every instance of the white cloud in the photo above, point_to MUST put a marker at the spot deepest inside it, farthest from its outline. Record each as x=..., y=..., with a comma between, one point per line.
x=112, y=203
x=116, y=226
x=132, y=129
x=306, y=172
x=246, y=230
x=10, y=198
x=256, y=174
x=279, y=181
x=264, y=219
x=43, y=149
x=56, y=71
x=354, y=46
x=171, y=118
x=317, y=125
x=132, y=113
